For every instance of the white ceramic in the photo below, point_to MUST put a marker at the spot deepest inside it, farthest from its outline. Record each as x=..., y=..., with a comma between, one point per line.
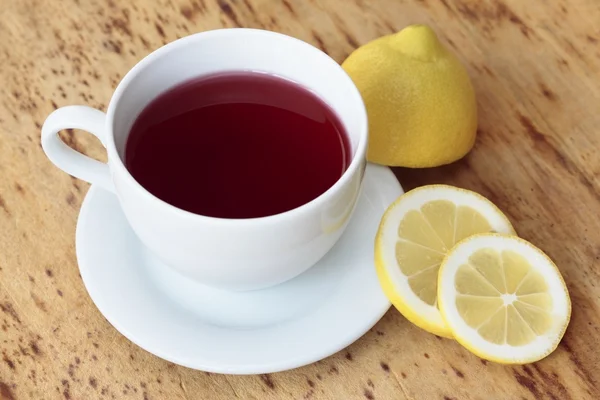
x=225, y=253
x=286, y=326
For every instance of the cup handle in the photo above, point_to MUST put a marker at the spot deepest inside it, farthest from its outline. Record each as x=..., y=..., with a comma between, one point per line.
x=73, y=162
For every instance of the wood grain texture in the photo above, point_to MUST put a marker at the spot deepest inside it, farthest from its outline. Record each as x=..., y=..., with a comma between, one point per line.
x=536, y=70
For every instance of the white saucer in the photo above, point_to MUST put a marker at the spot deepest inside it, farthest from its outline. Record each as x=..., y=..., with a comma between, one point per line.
x=290, y=325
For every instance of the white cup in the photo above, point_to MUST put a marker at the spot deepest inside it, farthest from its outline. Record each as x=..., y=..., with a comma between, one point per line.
x=233, y=254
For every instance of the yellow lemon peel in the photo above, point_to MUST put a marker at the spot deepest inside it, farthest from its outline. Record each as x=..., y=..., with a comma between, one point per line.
x=419, y=98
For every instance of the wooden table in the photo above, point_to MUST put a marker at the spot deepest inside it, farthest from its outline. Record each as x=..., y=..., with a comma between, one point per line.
x=536, y=70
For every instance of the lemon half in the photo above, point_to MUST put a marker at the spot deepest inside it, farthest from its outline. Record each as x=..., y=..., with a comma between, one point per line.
x=503, y=299
x=415, y=234
x=420, y=101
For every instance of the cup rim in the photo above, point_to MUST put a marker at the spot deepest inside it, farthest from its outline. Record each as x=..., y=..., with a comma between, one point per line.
x=117, y=165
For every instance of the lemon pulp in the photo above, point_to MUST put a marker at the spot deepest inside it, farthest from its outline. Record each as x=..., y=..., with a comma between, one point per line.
x=503, y=298
x=425, y=238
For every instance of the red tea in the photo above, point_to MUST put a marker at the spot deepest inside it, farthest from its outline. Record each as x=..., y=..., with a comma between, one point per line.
x=237, y=145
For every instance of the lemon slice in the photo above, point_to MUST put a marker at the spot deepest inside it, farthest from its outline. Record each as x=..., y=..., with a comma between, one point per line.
x=503, y=299
x=415, y=234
